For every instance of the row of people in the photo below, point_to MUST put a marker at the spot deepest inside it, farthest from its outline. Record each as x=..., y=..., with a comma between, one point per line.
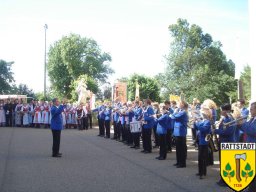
x=175, y=120
x=37, y=114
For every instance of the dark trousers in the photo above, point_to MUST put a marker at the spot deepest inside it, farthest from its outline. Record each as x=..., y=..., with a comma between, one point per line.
x=156, y=136
x=85, y=123
x=210, y=158
x=101, y=127
x=123, y=132
x=107, y=126
x=162, y=143
x=118, y=130
x=169, y=139
x=193, y=130
x=181, y=150
x=202, y=159
x=115, y=129
x=129, y=134
x=89, y=121
x=79, y=123
x=56, y=141
x=136, y=139
x=146, y=139
x=8, y=120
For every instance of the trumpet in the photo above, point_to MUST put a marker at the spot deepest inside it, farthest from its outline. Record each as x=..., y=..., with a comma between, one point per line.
x=234, y=122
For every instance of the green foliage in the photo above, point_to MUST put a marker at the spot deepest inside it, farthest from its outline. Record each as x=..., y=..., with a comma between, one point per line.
x=232, y=173
x=250, y=173
x=247, y=167
x=225, y=173
x=228, y=172
x=149, y=87
x=247, y=172
x=23, y=89
x=196, y=66
x=228, y=167
x=246, y=81
x=6, y=77
x=73, y=56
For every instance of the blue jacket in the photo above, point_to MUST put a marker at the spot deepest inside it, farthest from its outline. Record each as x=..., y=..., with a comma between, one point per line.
x=204, y=128
x=116, y=116
x=56, y=119
x=249, y=129
x=180, y=124
x=226, y=134
x=107, y=114
x=137, y=113
x=148, y=117
x=163, y=124
x=130, y=116
x=100, y=109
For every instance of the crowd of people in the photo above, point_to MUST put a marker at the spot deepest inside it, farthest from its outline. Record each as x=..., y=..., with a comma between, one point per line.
x=18, y=113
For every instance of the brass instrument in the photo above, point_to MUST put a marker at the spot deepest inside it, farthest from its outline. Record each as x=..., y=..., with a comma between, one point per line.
x=234, y=122
x=212, y=138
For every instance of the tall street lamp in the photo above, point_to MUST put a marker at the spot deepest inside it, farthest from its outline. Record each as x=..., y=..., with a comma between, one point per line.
x=45, y=28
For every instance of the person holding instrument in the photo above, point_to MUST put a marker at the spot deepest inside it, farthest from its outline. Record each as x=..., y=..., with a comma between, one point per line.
x=249, y=129
x=225, y=134
x=203, y=127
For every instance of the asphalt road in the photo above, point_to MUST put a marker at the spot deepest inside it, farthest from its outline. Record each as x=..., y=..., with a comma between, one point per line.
x=92, y=163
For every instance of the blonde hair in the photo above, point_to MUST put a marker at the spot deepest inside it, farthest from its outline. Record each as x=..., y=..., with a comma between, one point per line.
x=206, y=112
x=209, y=103
x=236, y=113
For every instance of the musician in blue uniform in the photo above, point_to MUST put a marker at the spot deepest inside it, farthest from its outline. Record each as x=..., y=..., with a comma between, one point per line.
x=163, y=123
x=169, y=134
x=148, y=123
x=129, y=115
x=244, y=112
x=115, y=122
x=204, y=128
x=100, y=109
x=180, y=133
x=107, y=119
x=138, y=117
x=249, y=129
x=225, y=134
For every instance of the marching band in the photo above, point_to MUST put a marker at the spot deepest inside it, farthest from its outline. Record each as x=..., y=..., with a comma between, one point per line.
x=135, y=121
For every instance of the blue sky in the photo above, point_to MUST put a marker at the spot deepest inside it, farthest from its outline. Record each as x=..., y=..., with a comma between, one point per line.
x=134, y=32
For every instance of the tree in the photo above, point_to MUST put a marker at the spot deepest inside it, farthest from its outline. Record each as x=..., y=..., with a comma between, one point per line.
x=6, y=77
x=246, y=81
x=23, y=89
x=196, y=65
x=73, y=56
x=149, y=88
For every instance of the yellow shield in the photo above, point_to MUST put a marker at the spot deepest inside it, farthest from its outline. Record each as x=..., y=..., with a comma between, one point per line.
x=237, y=164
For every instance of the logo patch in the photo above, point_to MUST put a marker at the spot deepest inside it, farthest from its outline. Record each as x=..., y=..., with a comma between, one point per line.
x=237, y=164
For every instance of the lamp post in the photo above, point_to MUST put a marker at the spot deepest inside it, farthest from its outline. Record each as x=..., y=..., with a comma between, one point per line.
x=45, y=28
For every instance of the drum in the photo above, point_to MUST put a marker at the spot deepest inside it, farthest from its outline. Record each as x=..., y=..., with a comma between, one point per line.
x=135, y=127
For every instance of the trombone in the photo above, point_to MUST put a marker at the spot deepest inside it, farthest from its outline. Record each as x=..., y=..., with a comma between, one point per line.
x=234, y=122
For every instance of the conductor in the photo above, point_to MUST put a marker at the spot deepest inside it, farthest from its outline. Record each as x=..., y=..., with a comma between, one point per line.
x=56, y=126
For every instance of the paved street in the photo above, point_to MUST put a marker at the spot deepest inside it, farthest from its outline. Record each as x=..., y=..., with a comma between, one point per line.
x=91, y=163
